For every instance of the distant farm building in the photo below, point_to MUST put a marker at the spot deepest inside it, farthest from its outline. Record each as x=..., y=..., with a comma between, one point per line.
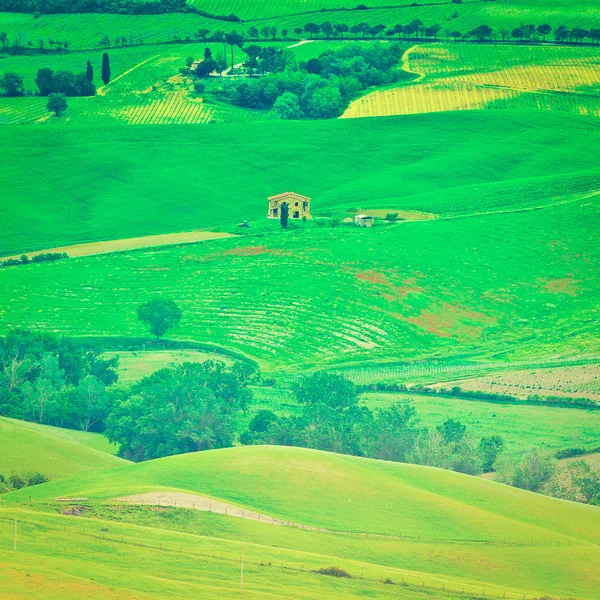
x=194, y=65
x=298, y=205
x=364, y=221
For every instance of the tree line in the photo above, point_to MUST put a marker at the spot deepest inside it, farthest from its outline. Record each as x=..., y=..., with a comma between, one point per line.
x=197, y=406
x=123, y=7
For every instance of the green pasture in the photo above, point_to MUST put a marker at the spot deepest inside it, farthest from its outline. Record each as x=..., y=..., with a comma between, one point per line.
x=54, y=452
x=515, y=284
x=430, y=506
x=63, y=186
x=523, y=428
x=134, y=365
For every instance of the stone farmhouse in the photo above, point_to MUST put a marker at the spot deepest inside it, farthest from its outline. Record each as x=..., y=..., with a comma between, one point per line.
x=299, y=206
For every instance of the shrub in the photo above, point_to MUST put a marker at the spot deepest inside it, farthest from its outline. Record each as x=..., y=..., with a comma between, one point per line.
x=333, y=572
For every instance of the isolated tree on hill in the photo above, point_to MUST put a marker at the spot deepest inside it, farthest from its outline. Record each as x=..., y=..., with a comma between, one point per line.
x=57, y=103
x=89, y=71
x=159, y=315
x=105, y=68
x=283, y=218
x=12, y=84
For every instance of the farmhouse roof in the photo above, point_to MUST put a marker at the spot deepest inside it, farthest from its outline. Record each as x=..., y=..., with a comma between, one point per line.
x=288, y=195
x=363, y=217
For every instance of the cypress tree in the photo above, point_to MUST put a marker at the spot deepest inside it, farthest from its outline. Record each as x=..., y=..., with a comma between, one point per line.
x=285, y=211
x=89, y=72
x=105, y=69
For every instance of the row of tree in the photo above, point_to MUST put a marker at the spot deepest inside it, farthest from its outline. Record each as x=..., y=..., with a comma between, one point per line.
x=51, y=82
x=414, y=31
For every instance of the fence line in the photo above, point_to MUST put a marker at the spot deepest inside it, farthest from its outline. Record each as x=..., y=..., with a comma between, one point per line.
x=520, y=542
x=411, y=582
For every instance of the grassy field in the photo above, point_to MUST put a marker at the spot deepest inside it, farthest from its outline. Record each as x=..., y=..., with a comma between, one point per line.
x=569, y=382
x=475, y=77
x=136, y=365
x=523, y=428
x=353, y=495
x=54, y=452
x=84, y=203
x=519, y=283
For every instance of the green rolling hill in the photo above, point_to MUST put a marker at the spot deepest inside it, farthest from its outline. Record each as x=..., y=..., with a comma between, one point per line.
x=438, y=524
x=54, y=452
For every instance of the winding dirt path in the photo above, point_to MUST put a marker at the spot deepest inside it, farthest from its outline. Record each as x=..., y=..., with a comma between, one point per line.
x=148, y=241
x=183, y=500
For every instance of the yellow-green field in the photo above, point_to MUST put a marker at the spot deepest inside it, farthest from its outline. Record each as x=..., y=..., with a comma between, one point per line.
x=475, y=77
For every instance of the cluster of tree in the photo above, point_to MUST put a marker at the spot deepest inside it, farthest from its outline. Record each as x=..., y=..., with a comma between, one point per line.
x=332, y=419
x=8, y=483
x=321, y=88
x=52, y=380
x=64, y=82
x=180, y=409
x=124, y=7
x=540, y=472
x=19, y=46
x=25, y=260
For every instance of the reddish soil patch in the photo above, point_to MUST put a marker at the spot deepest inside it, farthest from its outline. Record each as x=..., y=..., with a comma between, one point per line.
x=564, y=285
x=392, y=292
x=250, y=251
x=452, y=321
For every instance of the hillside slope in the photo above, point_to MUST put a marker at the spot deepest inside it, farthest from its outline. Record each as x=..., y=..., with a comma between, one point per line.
x=421, y=522
x=63, y=186
x=25, y=447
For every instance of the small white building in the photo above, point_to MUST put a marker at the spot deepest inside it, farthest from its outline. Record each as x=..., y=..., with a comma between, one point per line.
x=364, y=221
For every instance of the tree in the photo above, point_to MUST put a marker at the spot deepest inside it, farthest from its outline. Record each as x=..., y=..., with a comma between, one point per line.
x=532, y=472
x=105, y=68
x=452, y=431
x=327, y=29
x=561, y=33
x=341, y=28
x=283, y=217
x=91, y=403
x=159, y=315
x=544, y=30
x=253, y=53
x=287, y=107
x=490, y=448
x=314, y=66
x=483, y=32
x=298, y=31
x=234, y=39
x=89, y=72
x=332, y=390
x=57, y=103
x=312, y=29
x=3, y=40
x=253, y=33
x=12, y=84
x=201, y=34
x=186, y=408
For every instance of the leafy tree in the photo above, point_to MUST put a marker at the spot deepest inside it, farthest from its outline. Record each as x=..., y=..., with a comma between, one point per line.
x=312, y=29
x=234, y=39
x=3, y=40
x=391, y=217
x=328, y=389
x=284, y=214
x=561, y=33
x=452, y=431
x=287, y=107
x=532, y=472
x=105, y=68
x=544, y=30
x=89, y=72
x=91, y=403
x=202, y=33
x=253, y=53
x=253, y=33
x=57, y=103
x=314, y=66
x=12, y=84
x=186, y=408
x=490, y=448
x=325, y=103
x=159, y=315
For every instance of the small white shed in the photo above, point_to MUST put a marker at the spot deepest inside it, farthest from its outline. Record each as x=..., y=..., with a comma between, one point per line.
x=364, y=221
